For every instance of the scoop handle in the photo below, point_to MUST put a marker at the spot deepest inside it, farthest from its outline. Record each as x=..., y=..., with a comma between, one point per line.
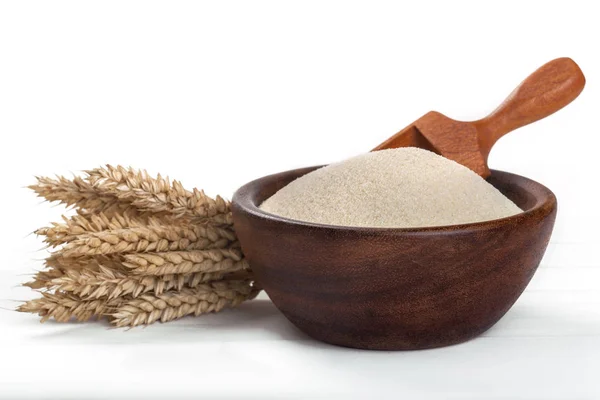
x=547, y=90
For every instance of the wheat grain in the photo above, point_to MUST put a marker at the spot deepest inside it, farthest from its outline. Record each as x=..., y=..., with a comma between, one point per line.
x=182, y=262
x=172, y=305
x=158, y=194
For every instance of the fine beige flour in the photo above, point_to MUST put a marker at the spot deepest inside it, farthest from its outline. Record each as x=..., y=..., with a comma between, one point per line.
x=405, y=187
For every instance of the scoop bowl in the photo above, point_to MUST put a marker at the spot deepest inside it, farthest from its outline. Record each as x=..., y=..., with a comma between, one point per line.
x=388, y=288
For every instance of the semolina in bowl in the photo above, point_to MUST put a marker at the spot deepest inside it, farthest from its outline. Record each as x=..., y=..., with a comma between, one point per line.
x=394, y=288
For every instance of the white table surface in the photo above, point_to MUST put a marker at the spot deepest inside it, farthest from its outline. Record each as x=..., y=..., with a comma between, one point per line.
x=546, y=347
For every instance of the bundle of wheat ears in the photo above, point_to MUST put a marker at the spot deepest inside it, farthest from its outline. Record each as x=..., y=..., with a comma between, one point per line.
x=138, y=250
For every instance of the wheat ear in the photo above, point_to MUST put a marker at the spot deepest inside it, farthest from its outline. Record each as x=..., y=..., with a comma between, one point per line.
x=63, y=307
x=77, y=192
x=112, y=284
x=42, y=279
x=183, y=262
x=80, y=224
x=150, y=238
x=158, y=194
x=72, y=227
x=58, y=261
x=57, y=266
x=205, y=298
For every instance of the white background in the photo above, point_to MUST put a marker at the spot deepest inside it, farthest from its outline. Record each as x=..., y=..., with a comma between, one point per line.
x=216, y=94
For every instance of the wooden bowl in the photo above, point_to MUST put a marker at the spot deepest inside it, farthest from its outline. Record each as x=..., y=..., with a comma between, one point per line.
x=394, y=289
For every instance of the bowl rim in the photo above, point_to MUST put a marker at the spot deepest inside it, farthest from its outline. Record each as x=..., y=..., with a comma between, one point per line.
x=243, y=199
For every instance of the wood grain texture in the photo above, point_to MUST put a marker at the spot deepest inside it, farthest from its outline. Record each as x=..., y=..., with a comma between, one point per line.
x=394, y=289
x=545, y=91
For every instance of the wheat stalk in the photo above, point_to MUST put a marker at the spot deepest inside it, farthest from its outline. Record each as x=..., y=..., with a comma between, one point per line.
x=158, y=194
x=183, y=262
x=205, y=298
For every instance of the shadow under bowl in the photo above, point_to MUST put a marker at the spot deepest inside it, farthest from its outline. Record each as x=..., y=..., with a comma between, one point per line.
x=394, y=288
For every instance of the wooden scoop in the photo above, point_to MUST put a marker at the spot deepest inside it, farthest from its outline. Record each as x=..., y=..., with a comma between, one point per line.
x=547, y=90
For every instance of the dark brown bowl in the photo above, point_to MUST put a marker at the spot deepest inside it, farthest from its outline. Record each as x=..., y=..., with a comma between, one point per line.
x=394, y=289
